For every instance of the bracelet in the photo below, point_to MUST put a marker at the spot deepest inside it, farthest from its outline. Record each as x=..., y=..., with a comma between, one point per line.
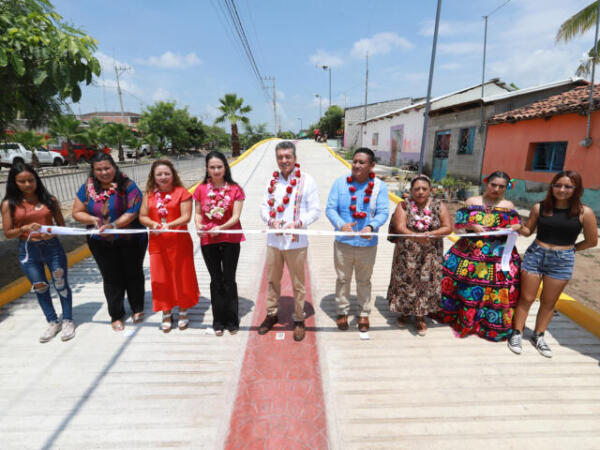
x=114, y=225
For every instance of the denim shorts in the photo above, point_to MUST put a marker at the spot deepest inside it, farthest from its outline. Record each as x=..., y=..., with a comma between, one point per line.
x=557, y=264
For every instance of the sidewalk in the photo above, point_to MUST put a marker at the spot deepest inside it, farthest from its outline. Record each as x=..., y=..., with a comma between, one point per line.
x=145, y=389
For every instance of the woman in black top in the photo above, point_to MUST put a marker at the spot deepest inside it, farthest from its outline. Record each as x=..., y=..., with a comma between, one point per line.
x=559, y=220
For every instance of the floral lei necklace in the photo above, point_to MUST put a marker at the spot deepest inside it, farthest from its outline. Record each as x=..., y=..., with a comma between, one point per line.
x=102, y=196
x=422, y=221
x=368, y=191
x=218, y=201
x=292, y=181
x=161, y=203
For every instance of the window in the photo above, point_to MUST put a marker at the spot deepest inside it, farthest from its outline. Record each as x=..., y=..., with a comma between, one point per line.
x=466, y=137
x=375, y=139
x=549, y=156
x=442, y=144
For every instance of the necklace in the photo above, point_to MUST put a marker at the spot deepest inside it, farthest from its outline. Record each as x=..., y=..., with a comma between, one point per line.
x=102, y=196
x=161, y=203
x=368, y=191
x=422, y=221
x=218, y=202
x=292, y=181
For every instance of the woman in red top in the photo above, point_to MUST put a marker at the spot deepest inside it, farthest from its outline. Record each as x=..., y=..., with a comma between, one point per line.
x=219, y=202
x=27, y=206
x=168, y=205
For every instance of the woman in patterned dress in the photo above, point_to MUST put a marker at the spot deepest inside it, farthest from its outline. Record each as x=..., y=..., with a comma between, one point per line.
x=415, y=281
x=477, y=296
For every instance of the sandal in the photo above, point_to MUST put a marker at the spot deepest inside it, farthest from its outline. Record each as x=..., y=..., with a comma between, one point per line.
x=166, y=324
x=421, y=326
x=183, y=321
x=218, y=332
x=138, y=317
x=117, y=325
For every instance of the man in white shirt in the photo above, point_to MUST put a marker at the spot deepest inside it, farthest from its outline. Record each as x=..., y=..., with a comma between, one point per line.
x=291, y=201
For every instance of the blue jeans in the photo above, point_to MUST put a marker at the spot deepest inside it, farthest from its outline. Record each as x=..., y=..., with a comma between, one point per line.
x=557, y=264
x=51, y=253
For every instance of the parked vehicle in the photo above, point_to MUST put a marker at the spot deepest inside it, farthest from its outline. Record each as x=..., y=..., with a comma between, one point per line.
x=144, y=150
x=48, y=158
x=81, y=151
x=11, y=152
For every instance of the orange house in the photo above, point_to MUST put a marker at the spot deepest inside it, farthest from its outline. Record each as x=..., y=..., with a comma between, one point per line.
x=534, y=142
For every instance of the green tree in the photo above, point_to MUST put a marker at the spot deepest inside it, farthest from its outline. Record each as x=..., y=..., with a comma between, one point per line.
x=32, y=141
x=196, y=132
x=164, y=123
x=331, y=121
x=577, y=25
x=119, y=134
x=233, y=112
x=286, y=135
x=42, y=61
x=69, y=128
x=216, y=137
x=95, y=135
x=253, y=134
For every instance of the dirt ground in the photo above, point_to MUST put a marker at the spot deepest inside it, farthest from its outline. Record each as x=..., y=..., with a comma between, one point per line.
x=584, y=287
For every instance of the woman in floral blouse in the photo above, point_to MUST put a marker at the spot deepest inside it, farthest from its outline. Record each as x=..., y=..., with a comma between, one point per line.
x=167, y=205
x=417, y=266
x=219, y=202
x=477, y=296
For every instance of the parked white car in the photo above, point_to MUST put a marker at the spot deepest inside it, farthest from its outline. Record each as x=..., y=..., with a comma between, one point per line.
x=144, y=150
x=11, y=152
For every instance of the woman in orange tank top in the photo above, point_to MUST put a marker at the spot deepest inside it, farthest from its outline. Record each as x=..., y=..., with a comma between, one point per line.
x=27, y=206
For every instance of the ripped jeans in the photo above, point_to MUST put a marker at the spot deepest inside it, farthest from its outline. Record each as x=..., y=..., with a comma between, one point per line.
x=51, y=253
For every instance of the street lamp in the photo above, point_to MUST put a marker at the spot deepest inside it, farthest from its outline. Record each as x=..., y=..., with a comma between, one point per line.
x=300, y=119
x=320, y=105
x=328, y=68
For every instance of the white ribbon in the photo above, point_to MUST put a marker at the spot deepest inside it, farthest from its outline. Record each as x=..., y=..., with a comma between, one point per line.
x=506, y=254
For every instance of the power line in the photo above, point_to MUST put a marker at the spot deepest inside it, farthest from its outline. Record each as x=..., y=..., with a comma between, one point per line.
x=498, y=8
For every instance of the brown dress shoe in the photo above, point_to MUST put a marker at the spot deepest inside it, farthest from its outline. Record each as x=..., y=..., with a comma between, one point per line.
x=342, y=321
x=267, y=324
x=299, y=331
x=421, y=326
x=363, y=324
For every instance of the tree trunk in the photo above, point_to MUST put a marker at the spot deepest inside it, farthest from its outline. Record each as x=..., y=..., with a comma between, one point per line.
x=35, y=162
x=121, y=153
x=235, y=140
x=70, y=153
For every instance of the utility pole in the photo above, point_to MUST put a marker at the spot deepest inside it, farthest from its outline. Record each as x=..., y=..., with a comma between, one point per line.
x=272, y=80
x=320, y=105
x=587, y=142
x=428, y=101
x=485, y=18
x=117, y=70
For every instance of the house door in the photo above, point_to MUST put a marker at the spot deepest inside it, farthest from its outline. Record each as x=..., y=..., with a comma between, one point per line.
x=396, y=140
x=440, y=154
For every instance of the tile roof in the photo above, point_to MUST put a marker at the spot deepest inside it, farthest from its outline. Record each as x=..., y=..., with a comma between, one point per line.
x=574, y=101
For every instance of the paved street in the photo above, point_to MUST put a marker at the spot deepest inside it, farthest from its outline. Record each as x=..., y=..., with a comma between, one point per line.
x=144, y=389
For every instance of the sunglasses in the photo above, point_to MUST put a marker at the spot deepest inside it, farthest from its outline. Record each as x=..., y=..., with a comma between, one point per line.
x=566, y=186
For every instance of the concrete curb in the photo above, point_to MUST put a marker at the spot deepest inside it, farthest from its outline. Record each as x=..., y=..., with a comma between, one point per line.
x=21, y=286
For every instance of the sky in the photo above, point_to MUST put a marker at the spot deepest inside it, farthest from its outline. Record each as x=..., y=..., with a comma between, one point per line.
x=186, y=51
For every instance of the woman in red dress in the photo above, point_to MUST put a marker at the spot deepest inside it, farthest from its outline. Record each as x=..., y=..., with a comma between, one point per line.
x=168, y=205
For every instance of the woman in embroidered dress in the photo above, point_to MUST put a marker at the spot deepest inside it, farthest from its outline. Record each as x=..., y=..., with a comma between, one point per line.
x=27, y=206
x=167, y=205
x=219, y=202
x=477, y=296
x=110, y=200
x=415, y=282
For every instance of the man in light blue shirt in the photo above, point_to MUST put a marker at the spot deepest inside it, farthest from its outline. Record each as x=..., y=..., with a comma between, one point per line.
x=358, y=202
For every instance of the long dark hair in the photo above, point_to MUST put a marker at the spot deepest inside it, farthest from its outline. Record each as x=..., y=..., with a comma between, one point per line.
x=14, y=195
x=575, y=205
x=220, y=156
x=120, y=178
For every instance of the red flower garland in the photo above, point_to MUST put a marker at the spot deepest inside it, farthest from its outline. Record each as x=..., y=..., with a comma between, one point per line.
x=368, y=191
x=293, y=181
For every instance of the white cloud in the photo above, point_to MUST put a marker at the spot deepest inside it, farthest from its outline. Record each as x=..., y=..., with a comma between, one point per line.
x=461, y=48
x=161, y=94
x=380, y=43
x=450, y=66
x=108, y=63
x=324, y=58
x=170, y=60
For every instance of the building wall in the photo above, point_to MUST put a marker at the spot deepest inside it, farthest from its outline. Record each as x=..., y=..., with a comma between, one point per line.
x=509, y=149
x=411, y=124
x=352, y=116
x=116, y=118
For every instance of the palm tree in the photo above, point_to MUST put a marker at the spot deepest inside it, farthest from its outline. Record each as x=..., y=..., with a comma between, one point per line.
x=577, y=25
x=119, y=134
x=233, y=111
x=69, y=128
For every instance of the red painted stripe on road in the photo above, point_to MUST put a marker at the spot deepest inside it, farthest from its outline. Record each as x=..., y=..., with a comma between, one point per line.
x=280, y=403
